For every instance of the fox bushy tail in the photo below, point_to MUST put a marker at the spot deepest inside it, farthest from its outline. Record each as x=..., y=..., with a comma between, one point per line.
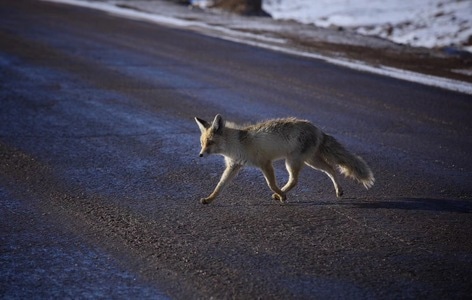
x=349, y=165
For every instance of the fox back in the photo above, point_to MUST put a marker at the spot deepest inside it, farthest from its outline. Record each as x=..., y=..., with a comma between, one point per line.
x=269, y=140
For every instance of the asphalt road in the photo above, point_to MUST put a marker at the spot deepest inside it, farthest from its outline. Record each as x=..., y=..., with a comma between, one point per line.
x=100, y=178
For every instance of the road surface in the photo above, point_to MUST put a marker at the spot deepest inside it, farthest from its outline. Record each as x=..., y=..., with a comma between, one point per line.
x=100, y=178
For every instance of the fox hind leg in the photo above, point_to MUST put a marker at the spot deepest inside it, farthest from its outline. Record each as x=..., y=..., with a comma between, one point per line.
x=293, y=167
x=320, y=164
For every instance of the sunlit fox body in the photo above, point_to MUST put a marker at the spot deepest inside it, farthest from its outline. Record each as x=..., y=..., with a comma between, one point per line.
x=299, y=142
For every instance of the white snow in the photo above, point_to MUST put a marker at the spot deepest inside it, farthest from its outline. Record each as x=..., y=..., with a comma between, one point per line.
x=418, y=23
x=201, y=3
x=426, y=23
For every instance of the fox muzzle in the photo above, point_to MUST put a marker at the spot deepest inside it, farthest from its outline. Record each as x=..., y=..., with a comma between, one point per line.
x=203, y=153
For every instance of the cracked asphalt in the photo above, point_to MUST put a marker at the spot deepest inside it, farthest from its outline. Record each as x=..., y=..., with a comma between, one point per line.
x=100, y=178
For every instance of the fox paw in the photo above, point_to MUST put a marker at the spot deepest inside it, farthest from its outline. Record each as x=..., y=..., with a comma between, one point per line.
x=279, y=197
x=206, y=200
x=339, y=193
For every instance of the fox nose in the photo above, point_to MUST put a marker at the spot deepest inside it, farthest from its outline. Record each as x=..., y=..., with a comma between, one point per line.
x=203, y=153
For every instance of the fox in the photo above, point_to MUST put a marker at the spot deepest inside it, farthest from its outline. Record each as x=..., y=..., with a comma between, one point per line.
x=297, y=141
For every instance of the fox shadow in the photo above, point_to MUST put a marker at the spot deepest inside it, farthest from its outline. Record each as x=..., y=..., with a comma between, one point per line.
x=410, y=203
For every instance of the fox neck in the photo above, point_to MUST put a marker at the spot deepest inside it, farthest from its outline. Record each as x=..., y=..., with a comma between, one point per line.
x=233, y=148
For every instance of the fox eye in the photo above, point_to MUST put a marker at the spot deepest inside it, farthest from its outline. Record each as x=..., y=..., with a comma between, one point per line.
x=209, y=143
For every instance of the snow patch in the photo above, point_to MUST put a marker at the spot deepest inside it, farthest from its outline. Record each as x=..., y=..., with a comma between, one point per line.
x=419, y=23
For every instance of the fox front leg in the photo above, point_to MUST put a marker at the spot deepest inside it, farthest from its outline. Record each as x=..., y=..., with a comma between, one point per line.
x=268, y=171
x=230, y=172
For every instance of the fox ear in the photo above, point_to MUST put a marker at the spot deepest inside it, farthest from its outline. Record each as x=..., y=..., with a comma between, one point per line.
x=217, y=124
x=202, y=124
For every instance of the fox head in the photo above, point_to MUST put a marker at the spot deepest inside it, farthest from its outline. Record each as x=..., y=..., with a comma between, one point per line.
x=211, y=138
